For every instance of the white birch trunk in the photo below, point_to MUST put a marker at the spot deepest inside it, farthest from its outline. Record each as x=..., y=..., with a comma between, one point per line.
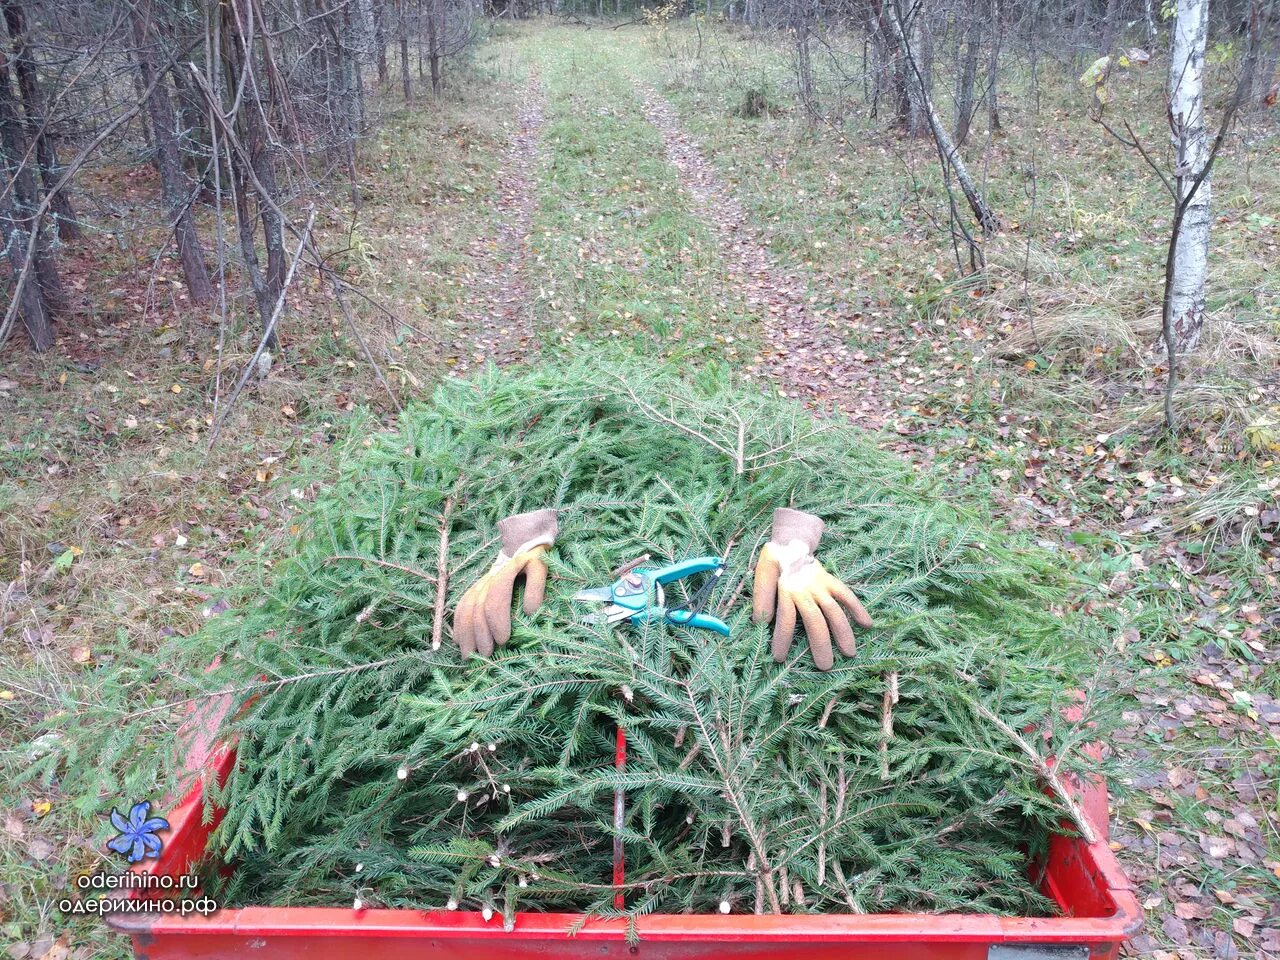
x=1191, y=153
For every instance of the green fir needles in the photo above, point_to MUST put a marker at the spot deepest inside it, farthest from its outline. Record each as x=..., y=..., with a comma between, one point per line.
x=375, y=764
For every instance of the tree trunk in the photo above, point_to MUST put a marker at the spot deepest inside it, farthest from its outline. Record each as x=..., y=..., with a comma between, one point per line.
x=380, y=40
x=993, y=69
x=968, y=75
x=248, y=248
x=947, y=151
x=405, y=79
x=352, y=108
x=17, y=238
x=893, y=68
x=1264, y=39
x=138, y=91
x=64, y=217
x=433, y=45
x=196, y=145
x=918, y=122
x=250, y=178
x=1110, y=25
x=1185, y=306
x=26, y=196
x=262, y=159
x=1078, y=24
x=172, y=185
x=804, y=66
x=262, y=156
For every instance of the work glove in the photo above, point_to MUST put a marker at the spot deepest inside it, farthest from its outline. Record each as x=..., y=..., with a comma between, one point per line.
x=790, y=579
x=483, y=617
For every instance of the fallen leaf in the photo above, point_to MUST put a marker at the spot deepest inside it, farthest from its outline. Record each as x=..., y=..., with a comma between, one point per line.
x=1216, y=847
x=40, y=849
x=1187, y=910
x=1174, y=929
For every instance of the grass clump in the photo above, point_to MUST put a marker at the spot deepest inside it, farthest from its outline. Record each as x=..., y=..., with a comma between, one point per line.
x=755, y=103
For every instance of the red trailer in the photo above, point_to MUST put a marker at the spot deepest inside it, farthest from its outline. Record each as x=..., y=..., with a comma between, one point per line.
x=1099, y=912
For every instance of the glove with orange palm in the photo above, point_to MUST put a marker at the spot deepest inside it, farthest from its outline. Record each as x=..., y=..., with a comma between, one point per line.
x=790, y=580
x=483, y=617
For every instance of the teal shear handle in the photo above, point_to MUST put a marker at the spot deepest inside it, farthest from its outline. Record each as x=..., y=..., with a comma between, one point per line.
x=690, y=614
x=703, y=621
x=686, y=568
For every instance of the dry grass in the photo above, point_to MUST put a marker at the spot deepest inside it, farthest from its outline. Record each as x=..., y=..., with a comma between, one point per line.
x=1043, y=303
x=1231, y=511
x=1106, y=326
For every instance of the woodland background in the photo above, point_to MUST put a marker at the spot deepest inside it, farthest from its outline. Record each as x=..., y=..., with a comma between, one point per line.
x=236, y=232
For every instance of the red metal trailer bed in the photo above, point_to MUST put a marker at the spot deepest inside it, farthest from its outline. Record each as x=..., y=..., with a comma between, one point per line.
x=1099, y=912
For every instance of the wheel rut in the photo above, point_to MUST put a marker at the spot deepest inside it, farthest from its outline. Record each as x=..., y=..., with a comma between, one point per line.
x=804, y=351
x=496, y=317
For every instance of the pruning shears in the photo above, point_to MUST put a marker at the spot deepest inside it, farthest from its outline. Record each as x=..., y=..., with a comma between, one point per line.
x=638, y=595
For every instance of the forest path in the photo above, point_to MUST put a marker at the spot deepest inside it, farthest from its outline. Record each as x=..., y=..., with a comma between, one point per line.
x=805, y=352
x=496, y=321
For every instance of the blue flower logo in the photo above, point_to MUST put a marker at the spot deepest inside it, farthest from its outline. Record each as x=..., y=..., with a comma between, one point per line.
x=137, y=837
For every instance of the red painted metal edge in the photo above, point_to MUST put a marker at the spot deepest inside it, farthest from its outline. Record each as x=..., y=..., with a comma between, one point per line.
x=1086, y=880
x=619, y=814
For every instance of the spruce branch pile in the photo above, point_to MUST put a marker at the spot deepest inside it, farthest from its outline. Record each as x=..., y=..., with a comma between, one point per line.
x=375, y=764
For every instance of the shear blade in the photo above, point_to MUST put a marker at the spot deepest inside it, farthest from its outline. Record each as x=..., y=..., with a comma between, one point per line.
x=594, y=595
x=610, y=614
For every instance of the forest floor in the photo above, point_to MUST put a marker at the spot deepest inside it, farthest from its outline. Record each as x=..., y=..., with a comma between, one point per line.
x=606, y=185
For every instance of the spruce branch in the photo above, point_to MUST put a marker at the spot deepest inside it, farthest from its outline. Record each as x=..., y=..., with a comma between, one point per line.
x=1043, y=767
x=748, y=782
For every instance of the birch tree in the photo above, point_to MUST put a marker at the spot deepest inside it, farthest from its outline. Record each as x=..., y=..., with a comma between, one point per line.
x=1184, y=304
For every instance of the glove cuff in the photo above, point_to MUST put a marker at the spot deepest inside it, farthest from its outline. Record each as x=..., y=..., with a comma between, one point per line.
x=523, y=531
x=789, y=525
